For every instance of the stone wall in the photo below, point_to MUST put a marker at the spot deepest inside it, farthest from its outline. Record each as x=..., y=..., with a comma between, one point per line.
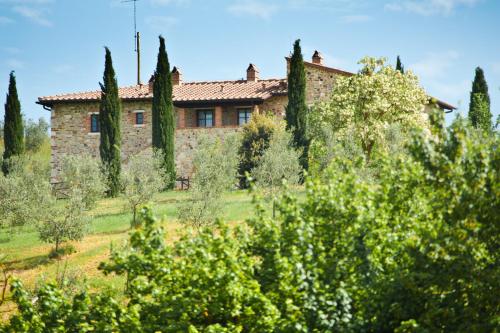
x=276, y=105
x=70, y=135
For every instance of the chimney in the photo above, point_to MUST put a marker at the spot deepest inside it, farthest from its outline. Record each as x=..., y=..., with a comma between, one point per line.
x=176, y=77
x=317, y=58
x=252, y=73
x=150, y=84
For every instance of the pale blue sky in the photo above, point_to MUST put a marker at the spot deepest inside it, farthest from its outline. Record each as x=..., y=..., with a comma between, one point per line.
x=56, y=46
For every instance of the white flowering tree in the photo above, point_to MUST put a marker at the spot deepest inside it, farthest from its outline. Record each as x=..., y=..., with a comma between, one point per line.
x=366, y=104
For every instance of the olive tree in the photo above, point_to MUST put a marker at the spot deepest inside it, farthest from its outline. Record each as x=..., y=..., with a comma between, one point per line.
x=67, y=221
x=364, y=105
x=82, y=173
x=278, y=166
x=25, y=196
x=141, y=180
x=215, y=169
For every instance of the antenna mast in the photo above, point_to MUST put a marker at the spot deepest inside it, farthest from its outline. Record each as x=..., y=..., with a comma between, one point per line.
x=137, y=41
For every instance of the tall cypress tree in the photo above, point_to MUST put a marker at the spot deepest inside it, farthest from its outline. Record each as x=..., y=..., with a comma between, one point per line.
x=296, y=110
x=399, y=66
x=163, y=116
x=479, y=107
x=110, y=128
x=13, y=133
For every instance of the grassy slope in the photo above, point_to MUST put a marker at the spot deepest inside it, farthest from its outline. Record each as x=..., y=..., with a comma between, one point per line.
x=110, y=224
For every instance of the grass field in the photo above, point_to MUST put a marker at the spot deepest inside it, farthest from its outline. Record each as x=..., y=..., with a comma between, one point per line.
x=28, y=256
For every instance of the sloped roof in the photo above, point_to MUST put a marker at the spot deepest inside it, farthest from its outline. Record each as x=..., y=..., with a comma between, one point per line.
x=188, y=92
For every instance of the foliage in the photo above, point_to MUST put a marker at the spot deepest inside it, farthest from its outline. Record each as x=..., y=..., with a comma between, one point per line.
x=399, y=66
x=13, y=132
x=414, y=250
x=36, y=134
x=25, y=196
x=141, y=180
x=163, y=116
x=110, y=128
x=255, y=136
x=480, y=114
x=82, y=174
x=367, y=103
x=215, y=166
x=279, y=165
x=296, y=110
x=66, y=221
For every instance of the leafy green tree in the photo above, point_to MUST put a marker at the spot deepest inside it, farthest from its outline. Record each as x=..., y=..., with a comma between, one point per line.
x=141, y=180
x=255, y=136
x=82, y=173
x=296, y=110
x=25, y=196
x=367, y=103
x=479, y=107
x=163, y=116
x=278, y=167
x=399, y=66
x=66, y=222
x=215, y=167
x=110, y=127
x=36, y=134
x=13, y=131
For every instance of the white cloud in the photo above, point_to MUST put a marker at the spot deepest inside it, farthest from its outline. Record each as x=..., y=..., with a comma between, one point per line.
x=36, y=15
x=435, y=65
x=451, y=92
x=258, y=9
x=14, y=64
x=429, y=7
x=161, y=22
x=5, y=20
x=356, y=18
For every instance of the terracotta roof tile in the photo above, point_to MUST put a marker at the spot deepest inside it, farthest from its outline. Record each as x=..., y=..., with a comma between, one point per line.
x=189, y=92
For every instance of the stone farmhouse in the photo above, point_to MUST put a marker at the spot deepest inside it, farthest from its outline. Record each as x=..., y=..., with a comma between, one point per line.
x=215, y=108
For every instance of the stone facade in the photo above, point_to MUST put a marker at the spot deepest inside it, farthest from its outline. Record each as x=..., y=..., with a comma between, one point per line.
x=71, y=122
x=71, y=135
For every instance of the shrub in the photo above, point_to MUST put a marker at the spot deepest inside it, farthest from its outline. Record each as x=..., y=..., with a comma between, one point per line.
x=36, y=134
x=215, y=168
x=82, y=174
x=278, y=166
x=141, y=180
x=255, y=140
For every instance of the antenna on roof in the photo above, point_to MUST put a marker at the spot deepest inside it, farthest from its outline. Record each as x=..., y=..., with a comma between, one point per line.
x=137, y=42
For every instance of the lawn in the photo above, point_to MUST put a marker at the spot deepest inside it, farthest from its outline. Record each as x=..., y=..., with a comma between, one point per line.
x=110, y=225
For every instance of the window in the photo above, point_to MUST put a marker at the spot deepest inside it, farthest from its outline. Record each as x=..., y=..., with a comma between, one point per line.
x=205, y=118
x=244, y=116
x=139, y=118
x=94, y=123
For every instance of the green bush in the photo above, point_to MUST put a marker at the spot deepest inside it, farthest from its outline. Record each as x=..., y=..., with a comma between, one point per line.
x=254, y=141
x=413, y=250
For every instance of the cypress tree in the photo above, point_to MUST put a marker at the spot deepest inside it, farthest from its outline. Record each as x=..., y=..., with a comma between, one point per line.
x=109, y=121
x=296, y=110
x=163, y=116
x=399, y=66
x=13, y=133
x=479, y=107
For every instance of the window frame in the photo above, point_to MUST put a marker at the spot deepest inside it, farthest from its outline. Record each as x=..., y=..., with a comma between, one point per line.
x=248, y=114
x=203, y=120
x=97, y=128
x=136, y=121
